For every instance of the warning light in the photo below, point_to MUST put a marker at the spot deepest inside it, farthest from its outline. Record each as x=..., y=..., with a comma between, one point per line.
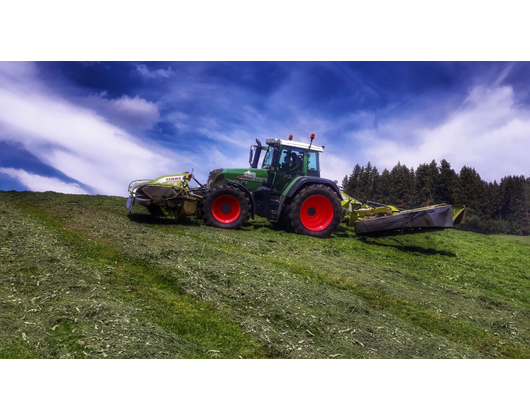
x=290, y=136
x=312, y=136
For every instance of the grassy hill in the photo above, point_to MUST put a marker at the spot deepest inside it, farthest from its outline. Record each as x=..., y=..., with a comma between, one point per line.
x=79, y=278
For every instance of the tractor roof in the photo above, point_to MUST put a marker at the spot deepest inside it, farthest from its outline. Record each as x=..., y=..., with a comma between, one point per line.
x=291, y=143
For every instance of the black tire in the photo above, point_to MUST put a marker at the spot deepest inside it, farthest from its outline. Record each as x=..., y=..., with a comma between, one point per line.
x=284, y=222
x=315, y=211
x=225, y=207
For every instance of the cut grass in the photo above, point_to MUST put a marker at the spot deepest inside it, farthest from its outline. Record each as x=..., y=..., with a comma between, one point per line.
x=523, y=239
x=194, y=291
x=194, y=328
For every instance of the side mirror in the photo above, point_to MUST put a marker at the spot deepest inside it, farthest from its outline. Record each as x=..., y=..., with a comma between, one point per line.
x=253, y=158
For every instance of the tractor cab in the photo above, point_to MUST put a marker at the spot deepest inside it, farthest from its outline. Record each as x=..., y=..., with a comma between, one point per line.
x=285, y=160
x=273, y=165
x=288, y=159
x=292, y=156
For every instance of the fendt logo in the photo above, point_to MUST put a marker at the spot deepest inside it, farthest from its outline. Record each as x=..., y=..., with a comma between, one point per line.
x=250, y=176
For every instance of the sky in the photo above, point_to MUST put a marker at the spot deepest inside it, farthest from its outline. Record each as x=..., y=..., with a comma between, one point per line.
x=92, y=127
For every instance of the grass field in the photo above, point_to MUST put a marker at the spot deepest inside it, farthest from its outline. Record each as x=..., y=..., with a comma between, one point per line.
x=79, y=278
x=523, y=239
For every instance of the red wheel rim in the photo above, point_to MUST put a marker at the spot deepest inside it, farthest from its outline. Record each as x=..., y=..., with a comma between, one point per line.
x=316, y=213
x=226, y=208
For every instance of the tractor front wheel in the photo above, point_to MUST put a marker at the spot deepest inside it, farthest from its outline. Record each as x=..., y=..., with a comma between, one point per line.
x=316, y=211
x=225, y=207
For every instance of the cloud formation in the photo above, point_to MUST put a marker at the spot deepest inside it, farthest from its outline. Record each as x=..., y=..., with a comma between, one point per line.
x=103, y=125
x=40, y=183
x=143, y=70
x=135, y=112
x=489, y=132
x=76, y=140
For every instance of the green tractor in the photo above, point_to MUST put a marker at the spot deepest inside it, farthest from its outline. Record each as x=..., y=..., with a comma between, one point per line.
x=286, y=189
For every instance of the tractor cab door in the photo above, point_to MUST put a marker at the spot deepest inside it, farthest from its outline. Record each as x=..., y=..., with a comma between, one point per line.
x=289, y=166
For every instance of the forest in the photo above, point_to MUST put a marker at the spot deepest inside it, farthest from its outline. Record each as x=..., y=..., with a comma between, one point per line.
x=493, y=207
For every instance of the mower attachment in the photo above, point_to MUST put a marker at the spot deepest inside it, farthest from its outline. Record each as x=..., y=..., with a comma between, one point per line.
x=437, y=217
x=168, y=195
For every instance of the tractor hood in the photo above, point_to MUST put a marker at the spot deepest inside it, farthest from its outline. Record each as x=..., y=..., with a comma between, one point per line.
x=251, y=177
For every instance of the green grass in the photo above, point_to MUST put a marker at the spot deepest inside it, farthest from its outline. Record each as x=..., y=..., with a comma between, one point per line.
x=79, y=278
x=523, y=239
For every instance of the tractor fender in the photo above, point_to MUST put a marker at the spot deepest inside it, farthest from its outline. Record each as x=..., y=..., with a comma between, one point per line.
x=304, y=181
x=247, y=192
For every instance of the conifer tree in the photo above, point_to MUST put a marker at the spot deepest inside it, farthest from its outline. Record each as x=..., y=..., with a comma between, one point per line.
x=364, y=187
x=426, y=184
x=471, y=192
x=514, y=203
x=353, y=180
x=344, y=184
x=525, y=219
x=447, y=184
x=492, y=207
x=375, y=184
x=383, y=187
x=495, y=198
x=402, y=185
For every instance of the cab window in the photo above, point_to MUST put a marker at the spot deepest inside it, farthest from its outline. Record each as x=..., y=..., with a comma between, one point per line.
x=292, y=160
x=312, y=161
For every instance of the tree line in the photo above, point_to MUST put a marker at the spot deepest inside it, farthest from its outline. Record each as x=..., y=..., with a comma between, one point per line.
x=491, y=207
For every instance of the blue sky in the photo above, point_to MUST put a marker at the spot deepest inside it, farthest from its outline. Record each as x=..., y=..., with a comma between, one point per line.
x=91, y=128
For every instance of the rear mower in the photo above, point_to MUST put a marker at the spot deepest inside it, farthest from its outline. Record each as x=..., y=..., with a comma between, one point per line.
x=286, y=189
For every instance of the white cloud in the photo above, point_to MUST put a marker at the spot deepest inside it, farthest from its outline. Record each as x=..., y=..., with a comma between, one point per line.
x=151, y=74
x=18, y=72
x=77, y=141
x=488, y=132
x=40, y=183
x=334, y=167
x=125, y=111
x=90, y=140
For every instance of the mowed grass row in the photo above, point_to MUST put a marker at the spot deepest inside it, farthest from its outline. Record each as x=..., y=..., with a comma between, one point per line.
x=444, y=294
x=63, y=295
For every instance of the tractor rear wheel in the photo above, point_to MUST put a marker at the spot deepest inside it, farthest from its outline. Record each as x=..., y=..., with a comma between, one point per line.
x=225, y=207
x=316, y=211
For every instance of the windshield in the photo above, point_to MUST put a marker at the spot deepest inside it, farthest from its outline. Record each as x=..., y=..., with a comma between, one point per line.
x=267, y=160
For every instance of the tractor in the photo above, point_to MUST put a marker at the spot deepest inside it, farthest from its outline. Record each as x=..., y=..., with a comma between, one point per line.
x=283, y=185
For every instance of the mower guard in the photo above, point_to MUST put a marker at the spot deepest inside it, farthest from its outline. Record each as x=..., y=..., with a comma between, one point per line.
x=429, y=217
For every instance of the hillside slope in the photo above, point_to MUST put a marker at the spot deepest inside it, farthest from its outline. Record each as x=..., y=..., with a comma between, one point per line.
x=79, y=278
